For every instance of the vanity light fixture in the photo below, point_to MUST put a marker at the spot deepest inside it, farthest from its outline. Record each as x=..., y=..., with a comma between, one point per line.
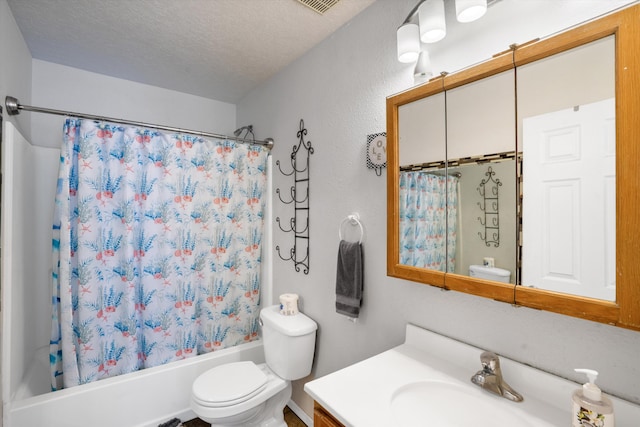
x=426, y=23
x=431, y=28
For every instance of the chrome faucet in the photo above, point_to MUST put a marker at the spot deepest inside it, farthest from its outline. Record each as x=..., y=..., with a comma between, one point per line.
x=490, y=378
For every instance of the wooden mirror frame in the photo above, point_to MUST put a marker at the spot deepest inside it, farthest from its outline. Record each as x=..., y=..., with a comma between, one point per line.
x=625, y=311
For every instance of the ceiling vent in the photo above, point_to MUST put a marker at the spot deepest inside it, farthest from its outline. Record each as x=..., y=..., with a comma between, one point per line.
x=320, y=6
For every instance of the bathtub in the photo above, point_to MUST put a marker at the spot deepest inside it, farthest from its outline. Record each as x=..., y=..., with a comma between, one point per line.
x=145, y=398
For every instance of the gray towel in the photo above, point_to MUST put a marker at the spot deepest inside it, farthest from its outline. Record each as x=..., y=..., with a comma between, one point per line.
x=349, y=279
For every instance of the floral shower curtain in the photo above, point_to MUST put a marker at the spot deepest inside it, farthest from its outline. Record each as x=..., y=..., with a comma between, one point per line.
x=157, y=244
x=428, y=212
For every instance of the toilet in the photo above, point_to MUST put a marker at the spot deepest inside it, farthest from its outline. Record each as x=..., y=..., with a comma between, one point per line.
x=250, y=395
x=490, y=273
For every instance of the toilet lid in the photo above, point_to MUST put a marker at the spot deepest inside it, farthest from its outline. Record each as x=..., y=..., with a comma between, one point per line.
x=229, y=384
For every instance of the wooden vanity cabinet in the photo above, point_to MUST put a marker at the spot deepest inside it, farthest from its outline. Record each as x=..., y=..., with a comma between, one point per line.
x=322, y=417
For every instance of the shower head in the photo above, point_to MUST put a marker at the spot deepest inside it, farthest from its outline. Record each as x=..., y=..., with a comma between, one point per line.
x=248, y=129
x=238, y=131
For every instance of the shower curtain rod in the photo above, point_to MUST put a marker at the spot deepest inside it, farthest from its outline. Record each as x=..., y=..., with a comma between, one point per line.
x=13, y=109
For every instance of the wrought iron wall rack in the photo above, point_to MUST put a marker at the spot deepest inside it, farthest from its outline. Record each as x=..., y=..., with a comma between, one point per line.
x=299, y=198
x=488, y=190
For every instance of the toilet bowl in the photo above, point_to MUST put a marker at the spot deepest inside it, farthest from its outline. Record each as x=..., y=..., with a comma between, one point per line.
x=221, y=400
x=251, y=395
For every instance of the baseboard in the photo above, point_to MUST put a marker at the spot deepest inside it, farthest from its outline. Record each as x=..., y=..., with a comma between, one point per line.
x=300, y=413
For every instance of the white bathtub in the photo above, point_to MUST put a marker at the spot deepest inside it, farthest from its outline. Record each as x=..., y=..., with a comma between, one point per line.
x=142, y=399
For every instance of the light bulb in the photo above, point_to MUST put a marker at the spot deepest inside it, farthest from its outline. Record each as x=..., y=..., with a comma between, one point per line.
x=423, y=71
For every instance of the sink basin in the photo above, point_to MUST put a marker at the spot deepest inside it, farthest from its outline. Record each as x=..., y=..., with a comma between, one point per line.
x=444, y=404
x=426, y=382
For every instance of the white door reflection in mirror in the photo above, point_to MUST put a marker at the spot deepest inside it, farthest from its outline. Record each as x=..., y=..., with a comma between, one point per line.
x=566, y=105
x=569, y=171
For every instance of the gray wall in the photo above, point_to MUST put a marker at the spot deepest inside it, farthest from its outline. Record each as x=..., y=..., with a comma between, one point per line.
x=15, y=67
x=339, y=89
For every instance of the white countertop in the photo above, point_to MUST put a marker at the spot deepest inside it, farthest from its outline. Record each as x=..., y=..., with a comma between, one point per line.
x=360, y=395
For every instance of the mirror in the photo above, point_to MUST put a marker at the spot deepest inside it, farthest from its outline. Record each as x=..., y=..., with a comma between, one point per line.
x=548, y=78
x=410, y=106
x=448, y=150
x=481, y=149
x=423, y=186
x=566, y=126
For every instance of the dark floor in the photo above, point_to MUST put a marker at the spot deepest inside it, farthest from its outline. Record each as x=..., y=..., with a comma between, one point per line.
x=292, y=419
x=289, y=416
x=195, y=423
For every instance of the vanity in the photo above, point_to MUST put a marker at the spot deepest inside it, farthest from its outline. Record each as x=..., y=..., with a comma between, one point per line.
x=426, y=382
x=499, y=149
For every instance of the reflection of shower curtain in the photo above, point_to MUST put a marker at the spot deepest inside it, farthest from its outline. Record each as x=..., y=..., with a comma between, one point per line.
x=157, y=241
x=428, y=212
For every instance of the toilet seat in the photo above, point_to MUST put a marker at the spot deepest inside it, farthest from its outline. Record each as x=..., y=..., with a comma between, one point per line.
x=242, y=410
x=229, y=384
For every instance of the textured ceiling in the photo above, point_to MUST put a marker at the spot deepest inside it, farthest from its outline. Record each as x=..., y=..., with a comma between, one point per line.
x=219, y=49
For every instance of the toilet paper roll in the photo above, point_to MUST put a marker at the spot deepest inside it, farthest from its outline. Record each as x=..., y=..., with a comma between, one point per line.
x=289, y=304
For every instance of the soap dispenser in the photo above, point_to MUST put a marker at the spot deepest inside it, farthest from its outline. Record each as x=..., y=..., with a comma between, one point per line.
x=590, y=407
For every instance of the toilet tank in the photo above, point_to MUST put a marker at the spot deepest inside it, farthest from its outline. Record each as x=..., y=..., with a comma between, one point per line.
x=289, y=342
x=490, y=273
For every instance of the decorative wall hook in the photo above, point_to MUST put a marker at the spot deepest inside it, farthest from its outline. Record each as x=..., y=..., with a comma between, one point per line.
x=298, y=196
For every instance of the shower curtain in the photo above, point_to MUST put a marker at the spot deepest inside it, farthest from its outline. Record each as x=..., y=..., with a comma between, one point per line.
x=428, y=217
x=156, y=249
